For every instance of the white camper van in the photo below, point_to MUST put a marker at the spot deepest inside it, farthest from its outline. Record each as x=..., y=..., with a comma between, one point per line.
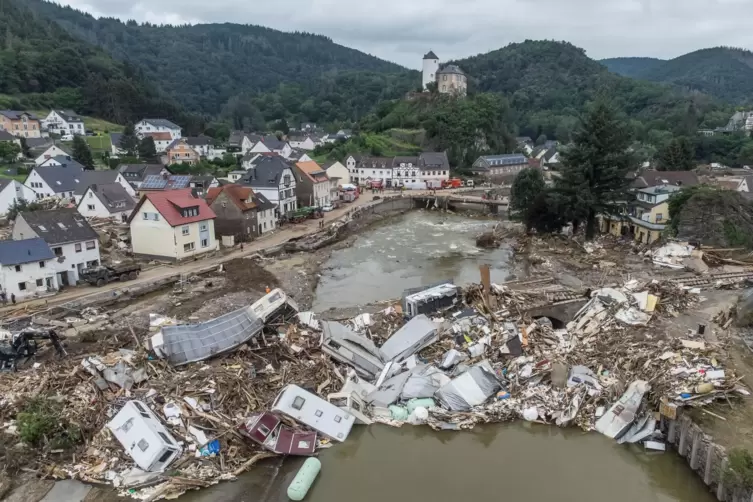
x=310, y=409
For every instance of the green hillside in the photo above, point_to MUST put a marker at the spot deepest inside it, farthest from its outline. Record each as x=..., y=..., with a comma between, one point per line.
x=631, y=67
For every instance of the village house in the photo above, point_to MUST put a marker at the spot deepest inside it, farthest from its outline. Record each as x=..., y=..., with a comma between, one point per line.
x=37, y=146
x=234, y=176
x=26, y=268
x=240, y=143
x=89, y=178
x=56, y=177
x=134, y=174
x=404, y=171
x=266, y=214
x=180, y=152
x=51, y=152
x=338, y=176
x=524, y=144
x=161, y=140
x=651, y=178
x=313, y=187
x=13, y=192
x=64, y=123
x=109, y=200
x=201, y=183
x=73, y=242
x=164, y=182
x=5, y=136
x=270, y=144
x=149, y=126
x=499, y=165
x=646, y=216
x=378, y=169
x=273, y=177
x=303, y=142
x=235, y=207
x=172, y=225
x=20, y=124
x=449, y=79
x=434, y=167
x=201, y=144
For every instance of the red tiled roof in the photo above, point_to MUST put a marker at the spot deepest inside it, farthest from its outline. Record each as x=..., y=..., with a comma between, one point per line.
x=170, y=202
x=160, y=136
x=238, y=194
x=310, y=167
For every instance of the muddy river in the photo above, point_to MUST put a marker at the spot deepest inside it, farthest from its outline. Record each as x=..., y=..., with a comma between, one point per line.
x=516, y=462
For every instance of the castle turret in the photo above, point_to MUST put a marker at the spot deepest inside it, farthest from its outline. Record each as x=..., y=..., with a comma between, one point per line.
x=431, y=65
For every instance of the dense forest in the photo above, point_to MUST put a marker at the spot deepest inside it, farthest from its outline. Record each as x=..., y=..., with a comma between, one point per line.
x=548, y=83
x=722, y=72
x=45, y=66
x=206, y=66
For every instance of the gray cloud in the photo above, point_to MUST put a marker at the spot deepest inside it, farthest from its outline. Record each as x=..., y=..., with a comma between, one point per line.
x=402, y=31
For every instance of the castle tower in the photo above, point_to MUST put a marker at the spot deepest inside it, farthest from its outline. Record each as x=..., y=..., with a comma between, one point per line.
x=431, y=65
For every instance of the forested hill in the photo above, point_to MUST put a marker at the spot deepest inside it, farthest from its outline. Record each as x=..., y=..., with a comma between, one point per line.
x=45, y=66
x=548, y=83
x=631, y=67
x=205, y=65
x=722, y=72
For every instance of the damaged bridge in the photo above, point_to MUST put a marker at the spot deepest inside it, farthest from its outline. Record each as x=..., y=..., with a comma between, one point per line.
x=450, y=201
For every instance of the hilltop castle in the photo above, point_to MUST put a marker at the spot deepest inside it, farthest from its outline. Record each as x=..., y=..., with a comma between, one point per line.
x=449, y=79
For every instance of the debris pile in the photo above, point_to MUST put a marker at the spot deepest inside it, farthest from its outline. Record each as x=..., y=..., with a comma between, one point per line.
x=194, y=404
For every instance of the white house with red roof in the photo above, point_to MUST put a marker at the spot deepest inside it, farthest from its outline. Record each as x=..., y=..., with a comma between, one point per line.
x=172, y=225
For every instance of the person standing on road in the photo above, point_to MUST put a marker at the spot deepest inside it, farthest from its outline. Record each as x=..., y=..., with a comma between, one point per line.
x=13, y=298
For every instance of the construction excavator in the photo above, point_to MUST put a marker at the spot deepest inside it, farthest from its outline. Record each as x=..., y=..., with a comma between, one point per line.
x=24, y=346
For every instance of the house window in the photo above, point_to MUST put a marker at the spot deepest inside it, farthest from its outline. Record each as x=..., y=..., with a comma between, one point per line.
x=188, y=247
x=90, y=207
x=22, y=286
x=18, y=268
x=304, y=445
x=444, y=77
x=298, y=403
x=659, y=217
x=146, y=216
x=264, y=430
x=203, y=227
x=58, y=251
x=185, y=230
x=91, y=245
x=78, y=247
x=41, y=264
x=40, y=282
x=204, y=243
x=91, y=195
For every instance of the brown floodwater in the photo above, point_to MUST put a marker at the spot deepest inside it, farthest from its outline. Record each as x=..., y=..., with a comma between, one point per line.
x=511, y=462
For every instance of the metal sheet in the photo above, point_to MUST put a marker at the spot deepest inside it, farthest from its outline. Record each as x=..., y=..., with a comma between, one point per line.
x=621, y=415
x=418, y=333
x=469, y=389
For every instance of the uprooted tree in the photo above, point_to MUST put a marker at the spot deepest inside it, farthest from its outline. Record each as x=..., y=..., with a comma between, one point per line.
x=595, y=167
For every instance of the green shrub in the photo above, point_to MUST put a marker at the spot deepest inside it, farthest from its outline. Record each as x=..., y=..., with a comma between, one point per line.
x=42, y=423
x=739, y=471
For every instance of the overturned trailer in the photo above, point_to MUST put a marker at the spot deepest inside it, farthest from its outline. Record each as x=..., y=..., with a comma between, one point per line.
x=345, y=345
x=267, y=430
x=189, y=343
x=429, y=299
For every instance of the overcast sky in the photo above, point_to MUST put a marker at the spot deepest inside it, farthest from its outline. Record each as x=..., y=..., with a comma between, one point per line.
x=403, y=30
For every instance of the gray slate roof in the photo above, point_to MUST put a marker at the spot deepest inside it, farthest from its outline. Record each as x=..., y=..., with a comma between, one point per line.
x=451, y=69
x=6, y=136
x=266, y=173
x=262, y=203
x=39, y=143
x=63, y=178
x=59, y=226
x=89, y=178
x=198, y=140
x=24, y=251
x=15, y=115
x=273, y=143
x=4, y=182
x=430, y=55
x=137, y=172
x=115, y=138
x=69, y=116
x=113, y=196
x=433, y=160
x=162, y=123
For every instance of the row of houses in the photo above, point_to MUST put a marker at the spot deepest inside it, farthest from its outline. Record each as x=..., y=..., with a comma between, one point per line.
x=427, y=167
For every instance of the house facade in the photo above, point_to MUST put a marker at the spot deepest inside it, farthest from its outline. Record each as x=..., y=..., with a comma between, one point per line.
x=313, y=187
x=240, y=143
x=266, y=214
x=434, y=167
x=180, y=152
x=302, y=142
x=51, y=152
x=274, y=178
x=108, y=200
x=646, y=217
x=162, y=140
x=56, y=177
x=235, y=207
x=20, y=124
x=270, y=144
x=374, y=169
x=72, y=240
x=149, y=126
x=172, y=225
x=89, y=178
x=64, y=122
x=499, y=165
x=13, y=192
x=26, y=268
x=338, y=175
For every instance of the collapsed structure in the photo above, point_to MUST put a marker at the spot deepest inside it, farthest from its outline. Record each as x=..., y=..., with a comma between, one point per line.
x=200, y=403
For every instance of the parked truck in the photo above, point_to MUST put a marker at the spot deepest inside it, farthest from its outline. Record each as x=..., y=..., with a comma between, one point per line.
x=101, y=275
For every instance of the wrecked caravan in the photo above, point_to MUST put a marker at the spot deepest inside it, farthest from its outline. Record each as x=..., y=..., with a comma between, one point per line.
x=189, y=343
x=345, y=345
x=417, y=333
x=427, y=300
x=469, y=389
x=267, y=430
x=352, y=403
x=144, y=437
x=311, y=410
